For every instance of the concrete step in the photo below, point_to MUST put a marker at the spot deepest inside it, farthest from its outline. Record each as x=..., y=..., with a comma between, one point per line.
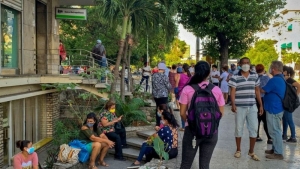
x=135, y=142
x=129, y=153
x=145, y=134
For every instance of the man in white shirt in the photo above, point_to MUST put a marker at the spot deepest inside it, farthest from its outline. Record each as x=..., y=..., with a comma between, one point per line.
x=146, y=74
x=192, y=69
x=214, y=74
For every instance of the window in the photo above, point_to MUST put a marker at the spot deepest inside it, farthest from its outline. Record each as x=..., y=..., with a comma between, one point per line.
x=9, y=41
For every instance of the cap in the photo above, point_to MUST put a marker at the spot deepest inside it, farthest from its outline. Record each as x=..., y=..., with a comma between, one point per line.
x=162, y=66
x=98, y=41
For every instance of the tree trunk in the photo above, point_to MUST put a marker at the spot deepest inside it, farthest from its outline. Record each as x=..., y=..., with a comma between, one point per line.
x=120, y=54
x=197, y=49
x=224, y=44
x=130, y=82
x=124, y=60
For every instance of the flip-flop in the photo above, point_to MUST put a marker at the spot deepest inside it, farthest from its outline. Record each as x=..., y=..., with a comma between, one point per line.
x=254, y=156
x=237, y=154
x=92, y=167
x=103, y=164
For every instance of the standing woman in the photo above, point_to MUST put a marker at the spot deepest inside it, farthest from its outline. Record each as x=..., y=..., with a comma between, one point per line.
x=160, y=89
x=263, y=78
x=287, y=119
x=27, y=158
x=181, y=80
x=224, y=83
x=172, y=80
x=206, y=145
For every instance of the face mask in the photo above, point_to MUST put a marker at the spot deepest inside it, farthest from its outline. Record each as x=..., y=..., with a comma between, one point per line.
x=90, y=124
x=30, y=150
x=233, y=69
x=158, y=114
x=112, y=110
x=246, y=67
x=162, y=122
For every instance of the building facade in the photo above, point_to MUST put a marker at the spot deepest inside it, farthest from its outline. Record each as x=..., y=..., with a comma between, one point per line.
x=29, y=55
x=285, y=28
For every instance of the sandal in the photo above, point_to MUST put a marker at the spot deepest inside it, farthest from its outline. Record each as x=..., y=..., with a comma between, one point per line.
x=93, y=167
x=254, y=156
x=237, y=154
x=103, y=163
x=258, y=139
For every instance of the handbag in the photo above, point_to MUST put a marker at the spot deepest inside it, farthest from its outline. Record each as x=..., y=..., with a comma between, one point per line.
x=68, y=154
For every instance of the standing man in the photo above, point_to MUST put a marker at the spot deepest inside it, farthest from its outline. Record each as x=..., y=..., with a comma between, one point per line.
x=192, y=69
x=98, y=52
x=244, y=90
x=214, y=75
x=146, y=72
x=274, y=91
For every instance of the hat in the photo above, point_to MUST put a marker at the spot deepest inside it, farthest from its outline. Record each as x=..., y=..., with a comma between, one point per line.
x=98, y=41
x=162, y=66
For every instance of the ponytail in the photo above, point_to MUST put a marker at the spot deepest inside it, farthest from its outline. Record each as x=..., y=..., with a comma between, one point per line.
x=186, y=69
x=170, y=118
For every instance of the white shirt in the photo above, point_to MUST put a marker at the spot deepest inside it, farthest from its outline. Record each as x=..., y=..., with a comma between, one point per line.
x=147, y=68
x=214, y=73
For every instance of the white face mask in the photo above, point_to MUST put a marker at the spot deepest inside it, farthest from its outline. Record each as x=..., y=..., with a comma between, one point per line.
x=245, y=67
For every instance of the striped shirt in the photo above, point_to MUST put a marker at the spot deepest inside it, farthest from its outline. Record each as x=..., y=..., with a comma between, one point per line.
x=245, y=89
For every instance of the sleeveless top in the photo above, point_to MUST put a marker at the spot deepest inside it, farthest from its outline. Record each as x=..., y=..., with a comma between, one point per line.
x=182, y=81
x=172, y=79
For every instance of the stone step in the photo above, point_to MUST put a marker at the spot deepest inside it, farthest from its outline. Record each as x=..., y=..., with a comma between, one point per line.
x=135, y=142
x=128, y=153
x=145, y=134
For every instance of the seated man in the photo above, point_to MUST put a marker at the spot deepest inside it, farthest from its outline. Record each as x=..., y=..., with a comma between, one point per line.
x=96, y=142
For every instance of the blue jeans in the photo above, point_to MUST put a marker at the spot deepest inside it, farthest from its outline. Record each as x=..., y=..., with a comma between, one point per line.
x=274, y=128
x=145, y=149
x=182, y=123
x=287, y=121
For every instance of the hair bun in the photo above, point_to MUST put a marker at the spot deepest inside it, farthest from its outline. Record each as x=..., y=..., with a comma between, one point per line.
x=18, y=143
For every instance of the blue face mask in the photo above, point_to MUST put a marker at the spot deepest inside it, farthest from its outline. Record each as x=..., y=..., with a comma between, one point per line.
x=158, y=114
x=30, y=150
x=90, y=124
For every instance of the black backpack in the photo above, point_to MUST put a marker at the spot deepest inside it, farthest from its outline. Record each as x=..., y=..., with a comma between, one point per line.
x=290, y=101
x=204, y=114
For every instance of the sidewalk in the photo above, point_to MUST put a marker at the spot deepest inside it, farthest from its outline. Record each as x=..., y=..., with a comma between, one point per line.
x=223, y=154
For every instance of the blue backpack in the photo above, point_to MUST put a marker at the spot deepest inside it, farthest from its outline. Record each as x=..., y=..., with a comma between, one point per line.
x=203, y=114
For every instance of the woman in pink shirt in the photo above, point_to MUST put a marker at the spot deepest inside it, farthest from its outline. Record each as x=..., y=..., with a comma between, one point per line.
x=206, y=145
x=181, y=80
x=27, y=158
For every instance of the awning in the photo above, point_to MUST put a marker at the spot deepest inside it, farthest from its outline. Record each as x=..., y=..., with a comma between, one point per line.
x=283, y=46
x=290, y=27
x=289, y=45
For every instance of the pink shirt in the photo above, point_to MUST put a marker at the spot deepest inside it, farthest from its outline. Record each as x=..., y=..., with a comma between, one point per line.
x=21, y=163
x=188, y=92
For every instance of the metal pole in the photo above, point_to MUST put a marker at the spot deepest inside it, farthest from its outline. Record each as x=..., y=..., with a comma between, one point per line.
x=197, y=49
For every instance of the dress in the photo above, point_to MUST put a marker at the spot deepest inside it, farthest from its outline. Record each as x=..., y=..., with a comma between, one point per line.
x=172, y=80
x=224, y=83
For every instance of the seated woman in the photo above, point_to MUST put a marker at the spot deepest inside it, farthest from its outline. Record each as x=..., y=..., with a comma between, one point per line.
x=168, y=135
x=160, y=109
x=27, y=158
x=96, y=142
x=108, y=120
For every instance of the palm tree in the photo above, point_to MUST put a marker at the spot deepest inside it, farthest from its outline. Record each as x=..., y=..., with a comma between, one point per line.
x=113, y=10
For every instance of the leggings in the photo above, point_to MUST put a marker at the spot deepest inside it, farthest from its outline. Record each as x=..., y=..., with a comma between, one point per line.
x=262, y=118
x=206, y=145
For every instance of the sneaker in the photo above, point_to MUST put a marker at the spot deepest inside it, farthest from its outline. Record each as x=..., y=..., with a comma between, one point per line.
x=275, y=156
x=134, y=166
x=269, y=151
x=291, y=140
x=284, y=138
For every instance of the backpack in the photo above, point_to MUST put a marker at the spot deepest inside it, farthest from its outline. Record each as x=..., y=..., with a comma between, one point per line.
x=290, y=101
x=203, y=114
